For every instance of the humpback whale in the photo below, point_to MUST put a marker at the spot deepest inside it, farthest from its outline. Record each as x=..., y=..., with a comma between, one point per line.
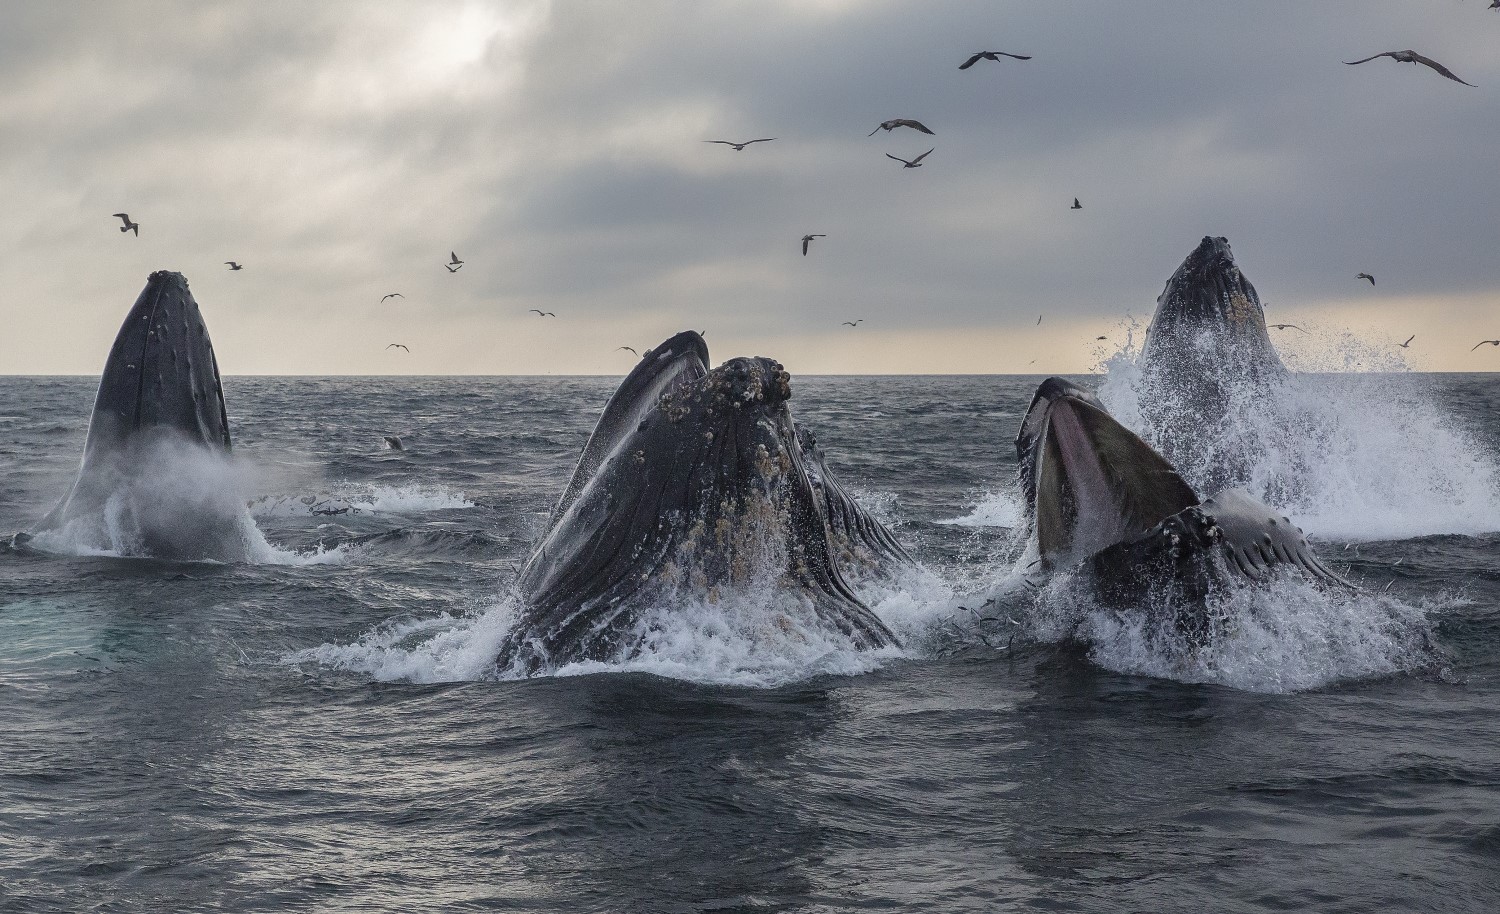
x=864, y=549
x=1100, y=500
x=693, y=485
x=160, y=403
x=1207, y=360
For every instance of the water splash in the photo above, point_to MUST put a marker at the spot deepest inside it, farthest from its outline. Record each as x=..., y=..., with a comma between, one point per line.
x=1347, y=456
x=1286, y=634
x=175, y=499
x=1002, y=508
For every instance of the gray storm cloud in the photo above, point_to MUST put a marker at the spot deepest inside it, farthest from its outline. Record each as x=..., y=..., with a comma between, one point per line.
x=341, y=151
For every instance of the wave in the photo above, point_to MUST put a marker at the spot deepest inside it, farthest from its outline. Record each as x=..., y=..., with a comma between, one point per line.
x=349, y=498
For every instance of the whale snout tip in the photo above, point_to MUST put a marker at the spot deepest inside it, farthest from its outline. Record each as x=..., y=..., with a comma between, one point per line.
x=757, y=379
x=170, y=278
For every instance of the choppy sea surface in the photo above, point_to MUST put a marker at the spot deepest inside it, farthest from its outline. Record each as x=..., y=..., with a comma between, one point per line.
x=321, y=728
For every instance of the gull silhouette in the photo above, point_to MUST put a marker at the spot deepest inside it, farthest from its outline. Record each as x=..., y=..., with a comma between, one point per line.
x=914, y=163
x=397, y=346
x=807, y=240
x=991, y=55
x=540, y=313
x=232, y=266
x=128, y=226
x=1285, y=326
x=1076, y=204
x=454, y=264
x=1485, y=343
x=627, y=348
x=740, y=146
x=1365, y=276
x=1412, y=57
x=854, y=323
x=392, y=295
x=1407, y=344
x=900, y=122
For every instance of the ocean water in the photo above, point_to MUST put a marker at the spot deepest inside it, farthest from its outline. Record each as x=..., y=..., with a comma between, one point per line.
x=321, y=727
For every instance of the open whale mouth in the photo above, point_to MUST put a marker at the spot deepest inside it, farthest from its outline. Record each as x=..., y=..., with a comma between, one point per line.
x=1089, y=481
x=692, y=487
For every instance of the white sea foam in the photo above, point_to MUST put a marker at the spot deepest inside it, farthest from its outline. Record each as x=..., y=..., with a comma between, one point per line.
x=1002, y=508
x=407, y=498
x=1284, y=635
x=1348, y=457
x=175, y=499
x=756, y=636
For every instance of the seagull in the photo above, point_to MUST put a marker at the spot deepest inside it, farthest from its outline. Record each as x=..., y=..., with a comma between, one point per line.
x=1039, y=320
x=453, y=264
x=854, y=323
x=394, y=442
x=1407, y=344
x=991, y=55
x=397, y=346
x=632, y=351
x=451, y=269
x=900, y=122
x=1097, y=338
x=540, y=313
x=806, y=240
x=1485, y=343
x=1365, y=276
x=1413, y=57
x=392, y=295
x=914, y=163
x=128, y=226
x=740, y=146
x=232, y=266
x=1076, y=204
x=1285, y=326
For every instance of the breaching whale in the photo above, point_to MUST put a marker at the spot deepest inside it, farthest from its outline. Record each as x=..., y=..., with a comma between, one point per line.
x=692, y=486
x=1207, y=364
x=1101, y=501
x=159, y=403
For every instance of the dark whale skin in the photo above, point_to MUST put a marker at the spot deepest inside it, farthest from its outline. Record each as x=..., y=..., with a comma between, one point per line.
x=706, y=494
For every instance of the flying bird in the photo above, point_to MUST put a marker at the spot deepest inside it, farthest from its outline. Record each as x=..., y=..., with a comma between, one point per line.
x=453, y=264
x=1485, y=343
x=1285, y=326
x=914, y=163
x=806, y=240
x=1039, y=320
x=740, y=146
x=1365, y=276
x=397, y=346
x=854, y=323
x=392, y=295
x=900, y=122
x=232, y=266
x=128, y=226
x=631, y=351
x=1407, y=344
x=991, y=55
x=1413, y=57
x=1097, y=338
x=541, y=313
x=1076, y=204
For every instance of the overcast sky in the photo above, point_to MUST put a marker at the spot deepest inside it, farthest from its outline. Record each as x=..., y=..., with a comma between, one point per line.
x=340, y=151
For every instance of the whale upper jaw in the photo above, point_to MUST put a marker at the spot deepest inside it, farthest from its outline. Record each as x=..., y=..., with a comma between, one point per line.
x=160, y=398
x=1209, y=313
